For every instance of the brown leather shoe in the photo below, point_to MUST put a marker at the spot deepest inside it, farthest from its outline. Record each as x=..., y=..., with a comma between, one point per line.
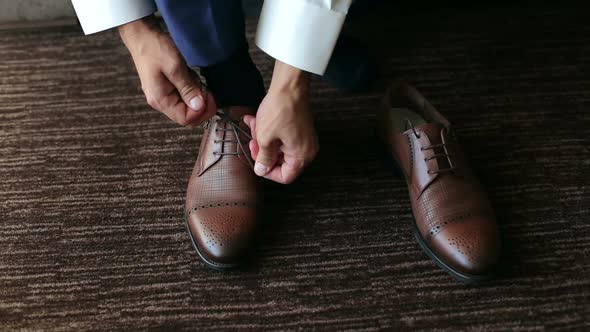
x=224, y=194
x=454, y=221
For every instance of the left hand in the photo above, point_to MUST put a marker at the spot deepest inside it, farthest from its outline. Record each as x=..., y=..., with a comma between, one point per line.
x=284, y=138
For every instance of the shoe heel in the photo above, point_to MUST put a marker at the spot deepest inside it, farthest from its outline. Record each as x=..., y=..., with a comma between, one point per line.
x=386, y=157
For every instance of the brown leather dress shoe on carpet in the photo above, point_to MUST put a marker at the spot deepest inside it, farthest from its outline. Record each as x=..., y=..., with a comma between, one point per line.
x=224, y=194
x=454, y=221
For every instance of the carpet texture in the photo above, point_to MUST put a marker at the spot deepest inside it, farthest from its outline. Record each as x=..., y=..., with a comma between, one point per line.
x=93, y=183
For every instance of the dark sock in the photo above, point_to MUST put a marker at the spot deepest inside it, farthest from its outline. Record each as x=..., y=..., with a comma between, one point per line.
x=235, y=81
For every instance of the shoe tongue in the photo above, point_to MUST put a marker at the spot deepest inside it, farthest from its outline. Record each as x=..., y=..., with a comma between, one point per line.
x=237, y=113
x=432, y=130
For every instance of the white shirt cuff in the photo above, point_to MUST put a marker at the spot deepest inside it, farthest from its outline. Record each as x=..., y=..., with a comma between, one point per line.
x=99, y=15
x=301, y=33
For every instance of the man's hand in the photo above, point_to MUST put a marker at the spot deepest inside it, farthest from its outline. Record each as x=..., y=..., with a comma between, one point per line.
x=284, y=137
x=168, y=84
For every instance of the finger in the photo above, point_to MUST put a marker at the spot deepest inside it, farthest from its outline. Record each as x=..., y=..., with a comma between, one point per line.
x=168, y=101
x=210, y=111
x=175, y=109
x=253, y=145
x=281, y=158
x=189, y=118
x=162, y=96
x=188, y=86
x=266, y=158
x=285, y=173
x=250, y=121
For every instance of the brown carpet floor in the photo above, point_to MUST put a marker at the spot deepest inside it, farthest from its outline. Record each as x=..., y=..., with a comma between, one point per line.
x=93, y=182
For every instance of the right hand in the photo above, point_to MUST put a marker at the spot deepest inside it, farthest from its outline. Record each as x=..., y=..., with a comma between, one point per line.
x=169, y=85
x=284, y=139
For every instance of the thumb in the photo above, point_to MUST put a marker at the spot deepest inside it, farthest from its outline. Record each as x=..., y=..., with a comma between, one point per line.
x=189, y=88
x=250, y=121
x=266, y=158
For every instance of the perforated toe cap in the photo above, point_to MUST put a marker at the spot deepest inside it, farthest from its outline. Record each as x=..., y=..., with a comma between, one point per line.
x=224, y=233
x=471, y=247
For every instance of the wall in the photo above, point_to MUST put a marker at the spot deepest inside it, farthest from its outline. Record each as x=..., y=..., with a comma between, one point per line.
x=34, y=10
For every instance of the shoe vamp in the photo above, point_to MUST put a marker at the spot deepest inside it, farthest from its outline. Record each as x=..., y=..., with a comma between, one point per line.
x=228, y=181
x=449, y=199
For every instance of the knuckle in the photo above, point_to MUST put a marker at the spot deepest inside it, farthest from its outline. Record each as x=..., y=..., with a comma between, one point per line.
x=176, y=70
x=152, y=101
x=174, y=64
x=264, y=157
x=264, y=148
x=288, y=180
x=264, y=141
x=183, y=122
x=263, y=144
x=187, y=89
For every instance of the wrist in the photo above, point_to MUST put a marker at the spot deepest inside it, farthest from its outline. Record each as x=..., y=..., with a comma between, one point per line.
x=289, y=79
x=131, y=32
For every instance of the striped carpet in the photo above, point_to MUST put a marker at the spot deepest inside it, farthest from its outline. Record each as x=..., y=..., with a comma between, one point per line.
x=93, y=182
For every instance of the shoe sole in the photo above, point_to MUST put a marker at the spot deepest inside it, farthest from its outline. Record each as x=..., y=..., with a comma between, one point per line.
x=213, y=265
x=470, y=279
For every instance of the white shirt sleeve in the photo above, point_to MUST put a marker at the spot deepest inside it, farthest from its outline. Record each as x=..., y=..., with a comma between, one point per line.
x=99, y=15
x=301, y=33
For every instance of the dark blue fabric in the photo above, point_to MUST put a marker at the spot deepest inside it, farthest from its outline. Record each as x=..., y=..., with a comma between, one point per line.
x=235, y=81
x=205, y=31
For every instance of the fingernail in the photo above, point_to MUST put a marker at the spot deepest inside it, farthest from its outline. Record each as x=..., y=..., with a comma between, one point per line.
x=196, y=103
x=260, y=169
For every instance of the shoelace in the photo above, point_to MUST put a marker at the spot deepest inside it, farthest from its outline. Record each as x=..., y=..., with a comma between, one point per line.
x=443, y=145
x=235, y=128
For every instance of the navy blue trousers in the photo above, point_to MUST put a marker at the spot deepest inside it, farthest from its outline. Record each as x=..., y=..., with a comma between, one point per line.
x=210, y=34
